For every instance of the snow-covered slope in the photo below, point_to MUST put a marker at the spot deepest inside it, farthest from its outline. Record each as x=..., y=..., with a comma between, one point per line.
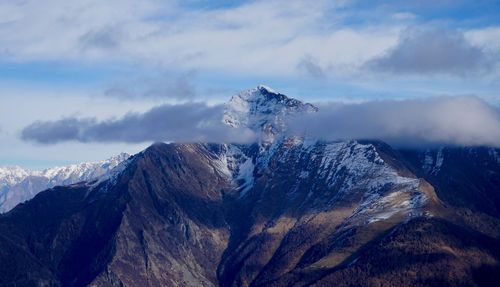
x=18, y=185
x=12, y=175
x=324, y=173
x=321, y=175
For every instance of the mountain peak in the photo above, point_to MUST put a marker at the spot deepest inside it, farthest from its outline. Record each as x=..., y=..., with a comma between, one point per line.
x=264, y=88
x=262, y=94
x=262, y=109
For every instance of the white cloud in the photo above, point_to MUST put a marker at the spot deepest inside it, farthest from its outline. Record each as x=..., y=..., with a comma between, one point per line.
x=261, y=37
x=460, y=120
x=257, y=38
x=488, y=38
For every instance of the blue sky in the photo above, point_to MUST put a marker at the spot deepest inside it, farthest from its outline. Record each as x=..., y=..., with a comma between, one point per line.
x=104, y=59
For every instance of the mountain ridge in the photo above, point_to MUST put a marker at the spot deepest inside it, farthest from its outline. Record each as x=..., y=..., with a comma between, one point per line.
x=18, y=184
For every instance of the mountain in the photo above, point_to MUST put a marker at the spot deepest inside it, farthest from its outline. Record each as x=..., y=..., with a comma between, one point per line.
x=263, y=110
x=465, y=177
x=286, y=211
x=18, y=185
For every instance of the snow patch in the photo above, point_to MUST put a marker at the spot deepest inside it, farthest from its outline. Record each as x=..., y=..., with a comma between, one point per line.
x=111, y=178
x=245, y=176
x=432, y=164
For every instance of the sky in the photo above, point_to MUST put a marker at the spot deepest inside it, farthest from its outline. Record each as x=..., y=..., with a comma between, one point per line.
x=85, y=80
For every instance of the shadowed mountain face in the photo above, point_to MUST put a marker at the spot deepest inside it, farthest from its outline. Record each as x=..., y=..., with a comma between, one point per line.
x=464, y=177
x=283, y=212
x=158, y=222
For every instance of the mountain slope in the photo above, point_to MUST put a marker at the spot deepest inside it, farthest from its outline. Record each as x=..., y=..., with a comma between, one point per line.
x=154, y=218
x=464, y=177
x=176, y=215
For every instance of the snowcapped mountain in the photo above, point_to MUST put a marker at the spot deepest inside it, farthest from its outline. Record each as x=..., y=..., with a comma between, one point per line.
x=361, y=166
x=263, y=110
x=284, y=211
x=18, y=185
x=11, y=175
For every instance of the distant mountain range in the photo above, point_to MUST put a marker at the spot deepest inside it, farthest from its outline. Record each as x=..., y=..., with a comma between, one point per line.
x=284, y=211
x=18, y=184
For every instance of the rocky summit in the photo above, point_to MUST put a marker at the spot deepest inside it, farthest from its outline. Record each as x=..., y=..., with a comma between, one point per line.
x=284, y=211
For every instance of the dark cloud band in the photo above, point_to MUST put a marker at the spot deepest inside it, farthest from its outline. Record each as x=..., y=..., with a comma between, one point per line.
x=180, y=123
x=442, y=120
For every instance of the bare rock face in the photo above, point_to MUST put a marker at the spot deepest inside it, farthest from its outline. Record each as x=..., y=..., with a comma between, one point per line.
x=172, y=230
x=283, y=212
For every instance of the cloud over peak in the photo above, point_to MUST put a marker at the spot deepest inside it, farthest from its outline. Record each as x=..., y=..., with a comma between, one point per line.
x=460, y=120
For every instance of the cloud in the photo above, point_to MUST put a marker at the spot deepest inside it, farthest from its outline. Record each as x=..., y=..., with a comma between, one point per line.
x=193, y=122
x=105, y=38
x=255, y=37
x=463, y=120
x=53, y=132
x=488, y=37
x=404, y=16
x=157, y=86
x=432, y=51
x=311, y=67
x=264, y=38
